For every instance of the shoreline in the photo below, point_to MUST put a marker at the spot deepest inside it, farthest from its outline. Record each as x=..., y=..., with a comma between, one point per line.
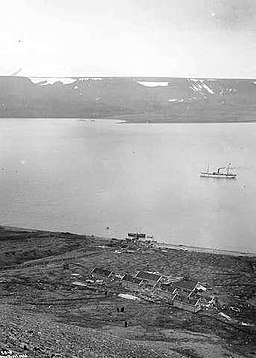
x=206, y=250
x=160, y=245
x=133, y=119
x=150, y=118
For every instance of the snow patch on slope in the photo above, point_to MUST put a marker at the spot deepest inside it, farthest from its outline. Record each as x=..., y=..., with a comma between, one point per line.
x=51, y=80
x=65, y=80
x=172, y=100
x=199, y=86
x=208, y=89
x=89, y=79
x=194, y=85
x=153, y=84
x=227, y=91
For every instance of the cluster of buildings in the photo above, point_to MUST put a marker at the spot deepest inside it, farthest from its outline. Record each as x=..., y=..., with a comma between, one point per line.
x=134, y=240
x=183, y=293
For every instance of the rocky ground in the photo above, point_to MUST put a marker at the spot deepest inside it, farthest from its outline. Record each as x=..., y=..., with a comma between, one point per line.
x=45, y=313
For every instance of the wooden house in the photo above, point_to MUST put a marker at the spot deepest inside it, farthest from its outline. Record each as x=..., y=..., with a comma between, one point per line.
x=149, y=279
x=130, y=282
x=188, y=287
x=101, y=273
x=166, y=291
x=191, y=304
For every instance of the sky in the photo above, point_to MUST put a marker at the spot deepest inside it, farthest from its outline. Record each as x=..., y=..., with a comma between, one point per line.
x=174, y=38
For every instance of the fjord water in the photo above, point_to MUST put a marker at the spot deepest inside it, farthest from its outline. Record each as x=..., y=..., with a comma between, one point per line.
x=106, y=178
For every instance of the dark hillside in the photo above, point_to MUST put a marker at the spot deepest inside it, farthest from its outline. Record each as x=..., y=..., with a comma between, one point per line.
x=133, y=99
x=51, y=305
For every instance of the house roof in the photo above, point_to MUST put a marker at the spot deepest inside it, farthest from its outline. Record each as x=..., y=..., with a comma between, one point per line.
x=101, y=271
x=130, y=278
x=144, y=275
x=186, y=284
x=203, y=286
x=206, y=295
x=167, y=287
x=136, y=235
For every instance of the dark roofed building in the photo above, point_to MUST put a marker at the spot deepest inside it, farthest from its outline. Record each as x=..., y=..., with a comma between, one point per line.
x=207, y=299
x=191, y=304
x=187, y=286
x=148, y=277
x=167, y=287
x=166, y=291
x=100, y=272
x=130, y=282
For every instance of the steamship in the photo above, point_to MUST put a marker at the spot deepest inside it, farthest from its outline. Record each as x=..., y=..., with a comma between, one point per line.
x=219, y=173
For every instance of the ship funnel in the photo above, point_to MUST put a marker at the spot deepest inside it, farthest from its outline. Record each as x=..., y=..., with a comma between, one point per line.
x=220, y=169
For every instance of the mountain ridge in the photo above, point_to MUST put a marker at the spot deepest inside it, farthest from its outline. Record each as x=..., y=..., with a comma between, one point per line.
x=135, y=99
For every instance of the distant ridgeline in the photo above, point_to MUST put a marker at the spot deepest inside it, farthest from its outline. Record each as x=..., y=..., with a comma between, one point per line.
x=132, y=99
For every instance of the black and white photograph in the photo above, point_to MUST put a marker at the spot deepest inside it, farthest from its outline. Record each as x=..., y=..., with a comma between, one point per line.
x=128, y=178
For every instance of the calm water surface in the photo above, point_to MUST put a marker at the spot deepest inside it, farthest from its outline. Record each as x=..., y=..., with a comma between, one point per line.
x=106, y=178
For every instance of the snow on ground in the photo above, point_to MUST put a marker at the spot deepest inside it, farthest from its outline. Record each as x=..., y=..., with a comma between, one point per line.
x=153, y=84
x=172, y=100
x=127, y=296
x=77, y=283
x=225, y=316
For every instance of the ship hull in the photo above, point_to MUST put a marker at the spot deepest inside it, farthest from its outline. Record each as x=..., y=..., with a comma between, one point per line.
x=218, y=175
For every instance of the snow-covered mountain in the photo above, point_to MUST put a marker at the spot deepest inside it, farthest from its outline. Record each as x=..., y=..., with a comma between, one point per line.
x=134, y=99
